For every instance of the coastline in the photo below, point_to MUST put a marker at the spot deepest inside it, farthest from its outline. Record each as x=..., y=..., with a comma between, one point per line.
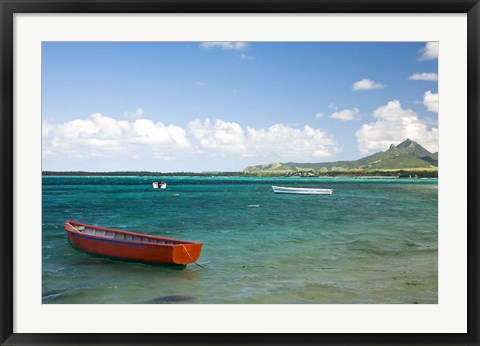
x=400, y=174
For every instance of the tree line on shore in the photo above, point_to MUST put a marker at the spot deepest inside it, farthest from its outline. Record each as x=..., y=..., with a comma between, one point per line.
x=306, y=174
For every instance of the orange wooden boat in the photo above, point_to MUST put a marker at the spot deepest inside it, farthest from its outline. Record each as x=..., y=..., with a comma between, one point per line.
x=131, y=246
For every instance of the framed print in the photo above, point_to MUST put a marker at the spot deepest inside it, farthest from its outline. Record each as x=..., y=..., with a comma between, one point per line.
x=239, y=173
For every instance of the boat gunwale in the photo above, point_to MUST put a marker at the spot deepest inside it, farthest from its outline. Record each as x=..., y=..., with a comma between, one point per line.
x=74, y=232
x=301, y=188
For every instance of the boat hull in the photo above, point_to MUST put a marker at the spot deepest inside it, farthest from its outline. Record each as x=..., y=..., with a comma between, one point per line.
x=179, y=252
x=159, y=185
x=301, y=191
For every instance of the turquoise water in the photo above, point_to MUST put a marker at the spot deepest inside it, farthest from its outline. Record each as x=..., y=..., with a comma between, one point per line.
x=371, y=241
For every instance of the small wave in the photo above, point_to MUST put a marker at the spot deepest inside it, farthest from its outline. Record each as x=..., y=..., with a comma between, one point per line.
x=51, y=295
x=253, y=206
x=56, y=270
x=226, y=231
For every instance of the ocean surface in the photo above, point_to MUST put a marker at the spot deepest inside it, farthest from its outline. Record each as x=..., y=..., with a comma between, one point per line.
x=373, y=241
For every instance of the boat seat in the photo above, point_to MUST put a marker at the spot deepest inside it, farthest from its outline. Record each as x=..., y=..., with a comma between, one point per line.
x=88, y=231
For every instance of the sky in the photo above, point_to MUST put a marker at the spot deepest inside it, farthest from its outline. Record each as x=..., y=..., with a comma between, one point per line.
x=223, y=106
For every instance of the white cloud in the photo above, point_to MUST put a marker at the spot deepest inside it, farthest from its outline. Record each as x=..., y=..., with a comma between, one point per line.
x=246, y=57
x=394, y=124
x=430, y=121
x=225, y=45
x=200, y=84
x=429, y=52
x=222, y=138
x=133, y=115
x=106, y=137
x=346, y=114
x=424, y=76
x=367, y=84
x=289, y=143
x=101, y=136
x=430, y=101
x=319, y=115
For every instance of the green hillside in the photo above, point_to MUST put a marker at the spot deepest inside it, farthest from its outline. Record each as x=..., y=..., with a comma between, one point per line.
x=408, y=155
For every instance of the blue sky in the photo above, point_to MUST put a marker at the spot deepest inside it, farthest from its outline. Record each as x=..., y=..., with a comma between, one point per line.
x=209, y=106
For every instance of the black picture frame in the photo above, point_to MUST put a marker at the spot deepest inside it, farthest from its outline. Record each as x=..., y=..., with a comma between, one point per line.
x=10, y=7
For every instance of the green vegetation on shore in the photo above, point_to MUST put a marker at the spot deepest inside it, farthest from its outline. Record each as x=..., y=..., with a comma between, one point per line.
x=354, y=173
x=307, y=174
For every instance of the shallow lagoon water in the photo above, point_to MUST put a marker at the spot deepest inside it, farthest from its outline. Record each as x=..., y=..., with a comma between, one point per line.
x=371, y=241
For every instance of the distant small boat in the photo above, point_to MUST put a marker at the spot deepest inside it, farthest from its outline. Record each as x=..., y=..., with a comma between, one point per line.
x=131, y=246
x=301, y=190
x=159, y=185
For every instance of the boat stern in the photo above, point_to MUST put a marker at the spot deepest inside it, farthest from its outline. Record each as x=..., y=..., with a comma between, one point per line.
x=186, y=253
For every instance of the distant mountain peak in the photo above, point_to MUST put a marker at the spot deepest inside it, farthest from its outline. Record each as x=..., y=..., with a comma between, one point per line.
x=406, y=155
x=407, y=143
x=413, y=148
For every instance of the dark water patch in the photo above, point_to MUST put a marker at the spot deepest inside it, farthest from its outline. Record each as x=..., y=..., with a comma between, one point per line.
x=251, y=267
x=175, y=298
x=419, y=245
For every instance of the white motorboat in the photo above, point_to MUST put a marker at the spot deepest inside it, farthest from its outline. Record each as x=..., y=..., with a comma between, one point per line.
x=302, y=190
x=159, y=185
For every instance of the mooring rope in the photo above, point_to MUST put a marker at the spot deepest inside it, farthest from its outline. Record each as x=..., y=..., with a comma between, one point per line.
x=191, y=257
